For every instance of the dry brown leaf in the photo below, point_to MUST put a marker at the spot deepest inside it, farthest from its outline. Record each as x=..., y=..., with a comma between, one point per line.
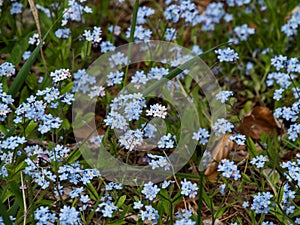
x=221, y=151
x=260, y=120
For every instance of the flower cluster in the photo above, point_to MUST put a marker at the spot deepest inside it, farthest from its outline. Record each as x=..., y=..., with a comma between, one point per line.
x=202, y=136
x=140, y=33
x=261, y=202
x=293, y=170
x=143, y=13
x=243, y=32
x=94, y=36
x=7, y=69
x=106, y=46
x=35, y=109
x=212, y=16
x=139, y=79
x=221, y=126
x=189, y=189
x=131, y=139
x=150, y=214
x=227, y=55
x=239, y=139
x=150, y=190
x=74, y=11
x=233, y=3
x=118, y=59
x=5, y=101
x=158, y=162
x=287, y=199
x=259, y=161
x=34, y=40
x=187, y=11
x=107, y=208
x=59, y=75
x=223, y=96
x=167, y=141
x=157, y=110
x=184, y=217
x=125, y=108
x=62, y=33
x=229, y=169
x=290, y=28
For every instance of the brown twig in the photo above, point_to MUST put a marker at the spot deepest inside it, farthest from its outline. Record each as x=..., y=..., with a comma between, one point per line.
x=37, y=23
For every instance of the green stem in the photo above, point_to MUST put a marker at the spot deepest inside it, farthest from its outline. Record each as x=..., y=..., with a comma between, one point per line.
x=199, y=218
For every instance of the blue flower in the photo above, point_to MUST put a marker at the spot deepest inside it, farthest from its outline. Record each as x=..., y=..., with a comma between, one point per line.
x=94, y=36
x=114, y=78
x=44, y=216
x=26, y=55
x=172, y=13
x=137, y=205
x=59, y=75
x=212, y=16
x=243, y=32
x=202, y=136
x=7, y=69
x=229, y=169
x=139, y=79
x=267, y=223
x=188, y=188
x=74, y=12
x=107, y=46
x=63, y=33
x=117, y=59
x=158, y=162
x=290, y=28
x=227, y=55
x=149, y=214
x=170, y=34
x=239, y=139
x=261, y=202
x=222, y=189
x=223, y=96
x=279, y=62
x=143, y=13
x=157, y=73
x=16, y=8
x=259, y=161
x=167, y=141
x=150, y=190
x=278, y=94
x=221, y=126
x=82, y=81
x=69, y=216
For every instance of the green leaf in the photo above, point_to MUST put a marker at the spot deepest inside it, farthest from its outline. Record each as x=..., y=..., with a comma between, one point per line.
x=93, y=191
x=67, y=88
x=66, y=124
x=5, y=215
x=18, y=50
x=121, y=201
x=31, y=81
x=118, y=222
x=30, y=127
x=23, y=73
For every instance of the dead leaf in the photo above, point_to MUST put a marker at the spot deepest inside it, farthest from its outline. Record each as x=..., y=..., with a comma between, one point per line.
x=221, y=151
x=260, y=120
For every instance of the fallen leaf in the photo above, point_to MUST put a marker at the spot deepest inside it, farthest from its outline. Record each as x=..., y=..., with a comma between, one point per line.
x=221, y=151
x=259, y=120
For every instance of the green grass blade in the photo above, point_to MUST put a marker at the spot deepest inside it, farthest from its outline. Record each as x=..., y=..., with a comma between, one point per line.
x=22, y=74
